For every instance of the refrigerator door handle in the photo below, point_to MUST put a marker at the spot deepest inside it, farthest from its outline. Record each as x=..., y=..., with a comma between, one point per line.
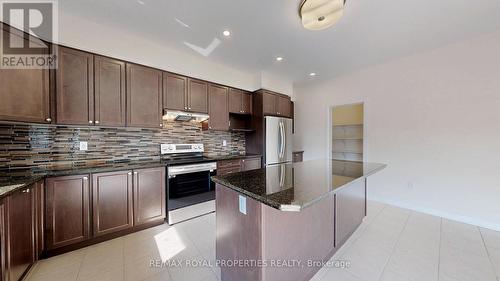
x=280, y=151
x=279, y=141
x=284, y=140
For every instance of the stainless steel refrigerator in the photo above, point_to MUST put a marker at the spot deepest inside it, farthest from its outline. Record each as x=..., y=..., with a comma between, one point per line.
x=278, y=148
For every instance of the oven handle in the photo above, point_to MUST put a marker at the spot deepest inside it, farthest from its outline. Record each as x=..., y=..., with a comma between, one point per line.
x=187, y=169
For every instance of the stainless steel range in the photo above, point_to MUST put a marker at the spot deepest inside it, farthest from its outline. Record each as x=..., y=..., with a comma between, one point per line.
x=190, y=191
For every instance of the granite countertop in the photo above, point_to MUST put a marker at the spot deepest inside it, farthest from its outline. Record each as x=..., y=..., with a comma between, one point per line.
x=13, y=180
x=292, y=187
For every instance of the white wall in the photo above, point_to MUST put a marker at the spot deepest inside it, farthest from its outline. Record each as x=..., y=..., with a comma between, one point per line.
x=276, y=83
x=80, y=33
x=433, y=117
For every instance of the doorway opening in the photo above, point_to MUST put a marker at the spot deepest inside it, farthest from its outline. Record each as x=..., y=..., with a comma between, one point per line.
x=347, y=132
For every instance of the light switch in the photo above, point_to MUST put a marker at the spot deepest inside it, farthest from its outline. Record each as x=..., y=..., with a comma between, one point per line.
x=243, y=204
x=83, y=146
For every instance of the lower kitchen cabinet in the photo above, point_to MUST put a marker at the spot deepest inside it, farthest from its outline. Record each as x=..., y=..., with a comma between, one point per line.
x=149, y=196
x=112, y=202
x=19, y=240
x=250, y=164
x=67, y=211
x=2, y=241
x=350, y=209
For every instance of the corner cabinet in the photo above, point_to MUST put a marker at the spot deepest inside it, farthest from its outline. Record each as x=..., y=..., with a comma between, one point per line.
x=67, y=211
x=144, y=97
x=218, y=108
x=112, y=202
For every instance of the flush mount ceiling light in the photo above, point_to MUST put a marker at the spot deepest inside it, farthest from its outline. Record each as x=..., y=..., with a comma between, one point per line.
x=279, y=58
x=320, y=14
x=226, y=33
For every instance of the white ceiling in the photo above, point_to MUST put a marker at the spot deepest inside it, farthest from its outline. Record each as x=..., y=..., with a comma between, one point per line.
x=371, y=31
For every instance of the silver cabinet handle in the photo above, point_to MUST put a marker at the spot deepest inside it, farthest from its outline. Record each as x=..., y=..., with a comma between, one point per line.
x=26, y=191
x=135, y=173
x=161, y=124
x=48, y=120
x=85, y=178
x=129, y=173
x=185, y=107
x=97, y=121
x=189, y=108
x=91, y=122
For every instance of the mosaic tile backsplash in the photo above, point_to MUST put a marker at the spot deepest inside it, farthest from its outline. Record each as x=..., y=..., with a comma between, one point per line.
x=41, y=146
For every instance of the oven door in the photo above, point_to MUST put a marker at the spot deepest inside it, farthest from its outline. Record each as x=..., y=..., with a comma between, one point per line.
x=190, y=185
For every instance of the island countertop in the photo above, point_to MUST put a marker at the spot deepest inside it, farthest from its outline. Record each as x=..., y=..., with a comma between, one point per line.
x=293, y=187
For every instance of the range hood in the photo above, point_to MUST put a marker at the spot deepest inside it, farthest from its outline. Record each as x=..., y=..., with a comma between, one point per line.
x=177, y=115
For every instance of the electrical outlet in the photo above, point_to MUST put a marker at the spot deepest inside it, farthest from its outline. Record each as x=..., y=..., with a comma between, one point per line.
x=83, y=145
x=224, y=143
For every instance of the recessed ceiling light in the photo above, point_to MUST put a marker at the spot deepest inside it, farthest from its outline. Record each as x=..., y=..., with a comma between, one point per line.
x=312, y=74
x=279, y=58
x=226, y=33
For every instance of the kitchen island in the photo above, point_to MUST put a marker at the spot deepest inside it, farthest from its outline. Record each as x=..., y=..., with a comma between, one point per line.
x=283, y=222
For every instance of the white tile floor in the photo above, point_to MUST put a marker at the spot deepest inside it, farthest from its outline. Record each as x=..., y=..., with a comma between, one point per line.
x=392, y=244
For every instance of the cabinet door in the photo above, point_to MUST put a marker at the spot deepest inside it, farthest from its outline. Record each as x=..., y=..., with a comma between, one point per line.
x=39, y=218
x=219, y=114
x=24, y=93
x=174, y=91
x=75, y=89
x=235, y=100
x=284, y=107
x=269, y=103
x=3, y=236
x=149, y=196
x=109, y=79
x=250, y=164
x=20, y=232
x=144, y=97
x=246, y=103
x=67, y=211
x=112, y=202
x=350, y=209
x=197, y=96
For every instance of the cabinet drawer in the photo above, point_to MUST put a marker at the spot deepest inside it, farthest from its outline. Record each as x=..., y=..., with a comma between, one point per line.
x=228, y=163
x=228, y=170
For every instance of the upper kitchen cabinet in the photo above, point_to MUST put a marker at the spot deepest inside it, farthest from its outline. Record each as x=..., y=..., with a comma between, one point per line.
x=75, y=89
x=174, y=92
x=218, y=108
x=109, y=79
x=197, y=98
x=240, y=102
x=284, y=106
x=24, y=92
x=276, y=104
x=144, y=97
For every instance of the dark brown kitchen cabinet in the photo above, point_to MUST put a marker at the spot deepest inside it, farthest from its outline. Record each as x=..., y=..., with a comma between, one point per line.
x=109, y=80
x=75, y=87
x=218, y=108
x=39, y=207
x=2, y=241
x=240, y=102
x=67, y=212
x=112, y=202
x=24, y=92
x=20, y=248
x=197, y=99
x=350, y=209
x=251, y=164
x=149, y=196
x=269, y=103
x=284, y=106
x=174, y=91
x=144, y=97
